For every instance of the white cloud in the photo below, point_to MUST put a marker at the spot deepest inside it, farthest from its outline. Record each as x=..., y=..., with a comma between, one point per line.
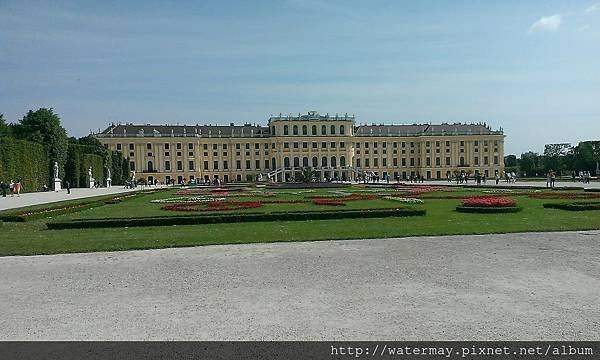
x=547, y=23
x=583, y=28
x=593, y=8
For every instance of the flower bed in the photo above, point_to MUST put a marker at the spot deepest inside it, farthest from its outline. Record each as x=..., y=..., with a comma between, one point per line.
x=212, y=206
x=329, y=202
x=188, y=199
x=488, y=201
x=488, y=205
x=404, y=200
x=556, y=195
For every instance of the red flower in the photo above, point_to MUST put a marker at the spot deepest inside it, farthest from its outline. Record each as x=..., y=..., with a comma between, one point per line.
x=488, y=201
x=328, y=202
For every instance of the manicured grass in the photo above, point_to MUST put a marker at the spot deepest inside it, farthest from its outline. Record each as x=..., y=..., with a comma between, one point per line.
x=33, y=238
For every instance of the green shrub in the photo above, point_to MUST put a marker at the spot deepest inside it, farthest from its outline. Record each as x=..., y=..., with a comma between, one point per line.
x=24, y=161
x=488, y=210
x=232, y=218
x=575, y=206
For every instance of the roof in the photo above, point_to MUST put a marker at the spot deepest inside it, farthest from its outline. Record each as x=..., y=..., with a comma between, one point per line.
x=248, y=130
x=425, y=130
x=131, y=130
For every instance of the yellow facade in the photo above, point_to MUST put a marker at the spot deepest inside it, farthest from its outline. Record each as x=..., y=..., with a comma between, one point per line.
x=333, y=146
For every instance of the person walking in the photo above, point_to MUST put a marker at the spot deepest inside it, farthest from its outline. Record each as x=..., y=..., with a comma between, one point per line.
x=552, y=178
x=4, y=186
x=18, y=187
x=11, y=186
x=68, y=186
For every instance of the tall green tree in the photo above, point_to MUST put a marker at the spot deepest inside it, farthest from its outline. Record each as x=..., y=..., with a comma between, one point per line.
x=43, y=126
x=5, y=128
x=555, y=157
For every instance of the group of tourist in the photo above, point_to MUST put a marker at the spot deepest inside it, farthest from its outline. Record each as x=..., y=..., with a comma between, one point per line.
x=582, y=176
x=13, y=187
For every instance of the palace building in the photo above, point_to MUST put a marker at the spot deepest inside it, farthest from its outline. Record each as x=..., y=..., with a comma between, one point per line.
x=335, y=147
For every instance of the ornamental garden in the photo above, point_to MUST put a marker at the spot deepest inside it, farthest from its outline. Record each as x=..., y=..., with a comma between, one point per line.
x=249, y=213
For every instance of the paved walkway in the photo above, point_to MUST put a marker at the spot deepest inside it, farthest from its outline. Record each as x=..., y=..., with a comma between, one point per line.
x=36, y=198
x=486, y=287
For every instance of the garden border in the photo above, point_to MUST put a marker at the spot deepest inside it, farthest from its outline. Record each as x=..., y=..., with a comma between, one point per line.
x=489, y=210
x=233, y=218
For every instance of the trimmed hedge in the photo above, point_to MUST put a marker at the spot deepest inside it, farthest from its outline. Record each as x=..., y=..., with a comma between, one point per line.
x=46, y=212
x=489, y=210
x=591, y=190
x=576, y=206
x=24, y=161
x=233, y=218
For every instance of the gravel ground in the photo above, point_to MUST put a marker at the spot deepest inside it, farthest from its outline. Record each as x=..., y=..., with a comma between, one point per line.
x=487, y=287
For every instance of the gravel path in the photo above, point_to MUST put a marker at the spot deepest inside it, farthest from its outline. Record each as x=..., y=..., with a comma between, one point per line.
x=491, y=287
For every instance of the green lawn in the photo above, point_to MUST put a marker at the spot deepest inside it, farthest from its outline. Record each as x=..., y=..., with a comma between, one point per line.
x=32, y=237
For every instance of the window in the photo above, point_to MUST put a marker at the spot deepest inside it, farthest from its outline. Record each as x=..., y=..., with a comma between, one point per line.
x=247, y=164
x=314, y=145
x=342, y=130
x=286, y=162
x=324, y=161
x=266, y=164
x=180, y=165
x=191, y=146
x=238, y=164
x=305, y=161
x=131, y=147
x=118, y=146
x=286, y=130
x=305, y=145
x=438, y=161
x=273, y=130
x=486, y=160
x=286, y=145
x=332, y=130
x=257, y=164
x=323, y=145
x=314, y=130
x=149, y=146
x=323, y=130
x=495, y=160
x=215, y=165
x=304, y=130
x=247, y=146
x=225, y=165
x=476, y=160
x=296, y=162
x=179, y=146
x=295, y=129
x=462, y=143
x=238, y=146
x=332, y=145
x=167, y=165
x=357, y=163
x=342, y=145
x=295, y=145
x=367, y=163
x=403, y=161
x=191, y=165
x=333, y=161
x=205, y=165
x=315, y=162
x=395, y=162
x=150, y=166
x=447, y=161
x=412, y=161
x=342, y=161
x=384, y=162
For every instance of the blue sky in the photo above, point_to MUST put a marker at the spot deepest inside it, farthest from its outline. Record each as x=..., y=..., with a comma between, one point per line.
x=531, y=67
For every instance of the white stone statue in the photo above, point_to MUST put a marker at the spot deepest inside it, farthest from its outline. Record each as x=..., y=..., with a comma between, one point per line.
x=108, y=172
x=133, y=175
x=90, y=172
x=57, y=181
x=56, y=170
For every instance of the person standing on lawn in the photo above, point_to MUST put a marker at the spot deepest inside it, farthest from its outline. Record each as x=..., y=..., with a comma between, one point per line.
x=68, y=186
x=11, y=186
x=4, y=186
